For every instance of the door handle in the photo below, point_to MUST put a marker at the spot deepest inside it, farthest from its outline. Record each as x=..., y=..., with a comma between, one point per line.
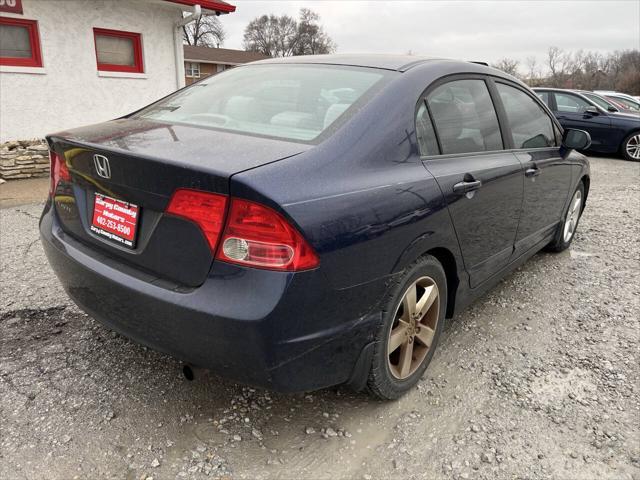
x=466, y=187
x=532, y=172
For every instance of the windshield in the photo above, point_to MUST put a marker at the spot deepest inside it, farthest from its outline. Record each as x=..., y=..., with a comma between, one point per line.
x=296, y=102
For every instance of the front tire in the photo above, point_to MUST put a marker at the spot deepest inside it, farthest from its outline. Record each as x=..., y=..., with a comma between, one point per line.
x=412, y=322
x=567, y=229
x=630, y=148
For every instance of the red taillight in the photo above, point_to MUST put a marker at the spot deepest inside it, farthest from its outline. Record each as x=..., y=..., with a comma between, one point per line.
x=257, y=236
x=58, y=170
x=204, y=208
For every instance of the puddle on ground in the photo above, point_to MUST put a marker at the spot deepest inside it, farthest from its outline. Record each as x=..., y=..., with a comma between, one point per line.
x=579, y=254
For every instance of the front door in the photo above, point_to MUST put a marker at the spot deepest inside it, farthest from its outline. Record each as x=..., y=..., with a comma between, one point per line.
x=481, y=183
x=547, y=176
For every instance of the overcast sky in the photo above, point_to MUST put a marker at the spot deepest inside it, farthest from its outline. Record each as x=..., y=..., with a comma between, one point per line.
x=469, y=30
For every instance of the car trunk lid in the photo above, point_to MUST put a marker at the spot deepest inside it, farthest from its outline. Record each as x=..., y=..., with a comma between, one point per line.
x=146, y=162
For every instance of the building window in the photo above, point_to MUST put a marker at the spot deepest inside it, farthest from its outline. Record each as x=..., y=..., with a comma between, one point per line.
x=192, y=69
x=118, y=51
x=19, y=43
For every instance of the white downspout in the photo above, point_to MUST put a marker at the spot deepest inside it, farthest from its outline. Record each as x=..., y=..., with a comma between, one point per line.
x=177, y=42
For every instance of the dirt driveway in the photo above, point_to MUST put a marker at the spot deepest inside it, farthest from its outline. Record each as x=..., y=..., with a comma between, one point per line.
x=539, y=379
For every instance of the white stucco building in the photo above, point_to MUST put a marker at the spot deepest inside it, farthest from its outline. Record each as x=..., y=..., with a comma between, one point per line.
x=69, y=63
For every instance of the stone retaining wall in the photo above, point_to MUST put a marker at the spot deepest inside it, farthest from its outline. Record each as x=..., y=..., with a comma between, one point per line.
x=24, y=159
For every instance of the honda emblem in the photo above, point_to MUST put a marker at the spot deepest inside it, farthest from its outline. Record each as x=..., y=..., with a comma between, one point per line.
x=102, y=166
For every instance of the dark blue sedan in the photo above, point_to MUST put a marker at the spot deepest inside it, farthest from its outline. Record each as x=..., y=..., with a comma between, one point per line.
x=311, y=221
x=611, y=132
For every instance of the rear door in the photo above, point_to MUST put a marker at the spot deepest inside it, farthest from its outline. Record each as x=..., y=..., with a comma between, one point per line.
x=481, y=183
x=570, y=110
x=547, y=175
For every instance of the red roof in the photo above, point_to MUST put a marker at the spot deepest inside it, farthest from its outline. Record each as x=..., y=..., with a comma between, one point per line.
x=217, y=5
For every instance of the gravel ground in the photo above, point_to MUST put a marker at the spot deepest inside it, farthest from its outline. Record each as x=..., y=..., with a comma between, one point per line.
x=539, y=379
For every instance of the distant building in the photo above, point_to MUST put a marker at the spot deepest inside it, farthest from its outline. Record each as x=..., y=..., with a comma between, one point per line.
x=204, y=61
x=64, y=64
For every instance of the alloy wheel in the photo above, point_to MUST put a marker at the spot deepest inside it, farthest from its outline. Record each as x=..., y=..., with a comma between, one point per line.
x=414, y=326
x=573, y=215
x=633, y=147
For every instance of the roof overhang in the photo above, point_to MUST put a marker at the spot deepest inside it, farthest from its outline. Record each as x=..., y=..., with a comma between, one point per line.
x=212, y=5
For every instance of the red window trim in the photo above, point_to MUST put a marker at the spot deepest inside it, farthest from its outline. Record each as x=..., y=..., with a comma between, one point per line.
x=136, y=39
x=34, y=39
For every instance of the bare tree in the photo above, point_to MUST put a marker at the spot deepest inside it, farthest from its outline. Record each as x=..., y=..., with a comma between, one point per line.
x=271, y=35
x=206, y=31
x=284, y=36
x=585, y=70
x=556, y=61
x=533, y=73
x=507, y=65
x=312, y=39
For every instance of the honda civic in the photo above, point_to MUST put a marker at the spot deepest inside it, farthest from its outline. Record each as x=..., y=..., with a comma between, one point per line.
x=305, y=222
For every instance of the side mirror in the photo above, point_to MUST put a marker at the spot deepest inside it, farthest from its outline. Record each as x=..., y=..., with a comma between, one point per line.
x=576, y=139
x=591, y=111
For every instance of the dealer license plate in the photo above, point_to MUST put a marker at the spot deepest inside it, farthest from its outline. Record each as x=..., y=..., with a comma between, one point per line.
x=115, y=220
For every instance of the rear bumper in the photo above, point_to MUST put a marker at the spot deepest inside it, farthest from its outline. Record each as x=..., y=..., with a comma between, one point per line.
x=283, y=331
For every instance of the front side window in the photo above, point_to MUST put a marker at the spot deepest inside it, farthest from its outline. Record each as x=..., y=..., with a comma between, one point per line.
x=571, y=103
x=192, y=70
x=19, y=43
x=295, y=102
x=601, y=102
x=464, y=117
x=530, y=126
x=118, y=51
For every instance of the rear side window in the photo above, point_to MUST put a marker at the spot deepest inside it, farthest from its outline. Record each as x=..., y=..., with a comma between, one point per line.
x=530, y=126
x=464, y=117
x=544, y=96
x=424, y=130
x=571, y=103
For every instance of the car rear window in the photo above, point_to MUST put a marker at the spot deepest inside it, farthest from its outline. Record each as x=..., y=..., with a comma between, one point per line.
x=295, y=102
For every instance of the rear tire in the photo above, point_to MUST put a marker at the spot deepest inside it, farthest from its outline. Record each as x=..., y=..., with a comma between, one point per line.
x=630, y=148
x=567, y=229
x=412, y=321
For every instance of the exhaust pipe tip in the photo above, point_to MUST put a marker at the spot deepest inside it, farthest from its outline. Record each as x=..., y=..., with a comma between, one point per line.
x=189, y=373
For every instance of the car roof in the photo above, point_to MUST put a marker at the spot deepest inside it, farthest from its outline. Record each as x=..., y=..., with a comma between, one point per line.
x=398, y=63
x=556, y=89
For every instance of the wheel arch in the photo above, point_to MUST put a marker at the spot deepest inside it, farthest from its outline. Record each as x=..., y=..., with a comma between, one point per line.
x=449, y=265
x=586, y=181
